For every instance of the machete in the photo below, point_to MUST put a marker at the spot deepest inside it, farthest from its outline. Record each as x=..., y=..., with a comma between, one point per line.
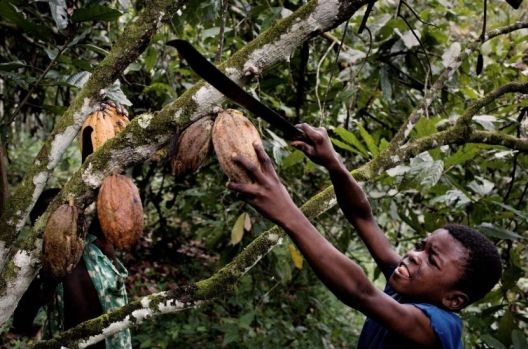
x=210, y=73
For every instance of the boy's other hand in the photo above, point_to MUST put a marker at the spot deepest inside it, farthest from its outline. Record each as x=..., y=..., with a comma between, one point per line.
x=267, y=193
x=320, y=150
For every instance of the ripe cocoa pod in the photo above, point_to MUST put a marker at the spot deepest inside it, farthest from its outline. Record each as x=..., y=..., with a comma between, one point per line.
x=192, y=148
x=120, y=211
x=100, y=126
x=62, y=245
x=234, y=133
x=118, y=116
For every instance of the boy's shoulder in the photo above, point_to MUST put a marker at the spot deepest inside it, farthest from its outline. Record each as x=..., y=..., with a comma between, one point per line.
x=447, y=326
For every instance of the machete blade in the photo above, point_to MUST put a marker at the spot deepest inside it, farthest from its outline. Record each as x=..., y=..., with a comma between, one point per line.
x=210, y=73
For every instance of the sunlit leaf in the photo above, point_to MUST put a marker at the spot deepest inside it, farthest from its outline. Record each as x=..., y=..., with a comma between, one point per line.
x=451, y=54
x=369, y=140
x=454, y=198
x=58, y=11
x=296, y=256
x=78, y=79
x=237, y=231
x=481, y=186
x=350, y=138
x=115, y=93
x=11, y=65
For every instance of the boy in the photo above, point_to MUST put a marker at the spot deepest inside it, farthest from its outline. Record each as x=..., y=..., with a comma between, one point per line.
x=453, y=267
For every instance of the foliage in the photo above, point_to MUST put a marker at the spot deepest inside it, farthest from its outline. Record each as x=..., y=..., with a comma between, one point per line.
x=363, y=95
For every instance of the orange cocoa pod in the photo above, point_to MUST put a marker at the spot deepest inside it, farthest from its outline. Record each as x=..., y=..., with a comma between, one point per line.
x=118, y=116
x=234, y=133
x=192, y=148
x=62, y=245
x=120, y=211
x=100, y=126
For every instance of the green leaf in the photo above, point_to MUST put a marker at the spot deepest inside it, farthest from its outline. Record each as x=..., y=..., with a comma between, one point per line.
x=245, y=320
x=344, y=146
x=492, y=342
x=464, y=154
x=491, y=230
x=426, y=126
x=506, y=325
x=294, y=158
x=8, y=66
x=12, y=14
x=369, y=140
x=95, y=49
x=385, y=83
x=237, y=232
x=351, y=139
x=95, y=13
x=519, y=340
x=518, y=213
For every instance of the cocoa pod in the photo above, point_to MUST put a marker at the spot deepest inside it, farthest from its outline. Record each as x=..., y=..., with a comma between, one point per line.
x=62, y=245
x=234, y=133
x=100, y=126
x=117, y=115
x=192, y=148
x=120, y=211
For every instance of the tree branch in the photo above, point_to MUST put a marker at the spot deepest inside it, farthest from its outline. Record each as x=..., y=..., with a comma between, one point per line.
x=18, y=259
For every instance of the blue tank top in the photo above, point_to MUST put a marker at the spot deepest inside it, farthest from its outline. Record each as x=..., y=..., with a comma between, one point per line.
x=446, y=325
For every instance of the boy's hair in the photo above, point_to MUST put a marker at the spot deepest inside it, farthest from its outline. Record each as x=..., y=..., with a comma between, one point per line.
x=483, y=264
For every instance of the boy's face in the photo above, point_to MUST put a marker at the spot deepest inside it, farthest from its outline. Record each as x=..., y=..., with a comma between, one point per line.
x=432, y=269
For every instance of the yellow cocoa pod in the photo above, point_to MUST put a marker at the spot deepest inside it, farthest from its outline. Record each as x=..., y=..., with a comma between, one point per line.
x=100, y=126
x=96, y=130
x=62, y=245
x=234, y=133
x=117, y=116
x=192, y=148
x=120, y=211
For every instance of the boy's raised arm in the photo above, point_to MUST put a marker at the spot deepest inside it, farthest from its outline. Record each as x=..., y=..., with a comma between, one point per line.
x=350, y=196
x=340, y=274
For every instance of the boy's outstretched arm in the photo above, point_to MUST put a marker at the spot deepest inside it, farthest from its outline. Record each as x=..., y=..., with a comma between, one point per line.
x=350, y=196
x=341, y=275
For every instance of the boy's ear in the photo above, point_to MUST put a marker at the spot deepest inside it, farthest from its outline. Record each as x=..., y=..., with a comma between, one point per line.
x=455, y=300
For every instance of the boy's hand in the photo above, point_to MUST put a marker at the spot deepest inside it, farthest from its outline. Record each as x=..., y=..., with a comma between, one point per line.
x=320, y=150
x=267, y=193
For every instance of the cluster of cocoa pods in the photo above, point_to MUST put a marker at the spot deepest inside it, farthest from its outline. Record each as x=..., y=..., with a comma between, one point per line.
x=118, y=204
x=230, y=132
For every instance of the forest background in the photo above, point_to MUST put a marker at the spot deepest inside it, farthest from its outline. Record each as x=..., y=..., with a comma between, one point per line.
x=427, y=106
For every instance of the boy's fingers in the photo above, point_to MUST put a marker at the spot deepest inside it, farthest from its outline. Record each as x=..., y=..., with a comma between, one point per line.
x=262, y=156
x=242, y=188
x=242, y=161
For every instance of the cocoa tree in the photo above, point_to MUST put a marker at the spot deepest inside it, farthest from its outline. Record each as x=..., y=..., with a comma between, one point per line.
x=149, y=134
